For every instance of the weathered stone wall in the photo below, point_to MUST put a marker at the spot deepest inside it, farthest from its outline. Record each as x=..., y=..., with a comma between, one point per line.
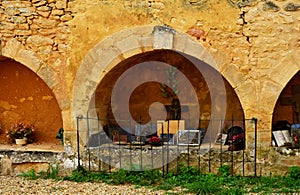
x=16, y=162
x=272, y=59
x=253, y=44
x=35, y=33
x=237, y=44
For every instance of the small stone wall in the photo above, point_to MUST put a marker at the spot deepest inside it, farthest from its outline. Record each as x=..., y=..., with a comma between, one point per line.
x=16, y=162
x=275, y=160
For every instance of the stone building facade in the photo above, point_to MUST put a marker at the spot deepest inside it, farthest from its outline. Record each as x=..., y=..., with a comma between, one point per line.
x=74, y=48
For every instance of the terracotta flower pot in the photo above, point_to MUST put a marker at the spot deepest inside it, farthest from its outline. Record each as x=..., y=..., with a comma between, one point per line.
x=21, y=142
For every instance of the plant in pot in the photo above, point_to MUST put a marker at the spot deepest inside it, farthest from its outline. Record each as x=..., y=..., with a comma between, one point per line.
x=238, y=142
x=173, y=110
x=60, y=136
x=21, y=133
x=155, y=141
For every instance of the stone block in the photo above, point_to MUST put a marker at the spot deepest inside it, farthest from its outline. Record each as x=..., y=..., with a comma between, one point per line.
x=63, y=47
x=6, y=166
x=54, y=18
x=264, y=138
x=16, y=4
x=27, y=11
x=48, y=75
x=67, y=118
x=23, y=26
x=47, y=32
x=129, y=46
x=29, y=59
x=45, y=23
x=286, y=18
x=44, y=9
x=57, y=12
x=66, y=17
x=146, y=43
x=61, y=4
x=163, y=37
x=109, y=57
x=195, y=49
x=12, y=11
x=39, y=3
x=11, y=48
x=180, y=41
x=267, y=90
x=25, y=167
x=18, y=19
x=8, y=26
x=37, y=41
x=23, y=32
x=44, y=14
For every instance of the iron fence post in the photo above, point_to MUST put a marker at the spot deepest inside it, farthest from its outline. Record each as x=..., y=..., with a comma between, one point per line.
x=88, y=135
x=77, y=130
x=255, y=145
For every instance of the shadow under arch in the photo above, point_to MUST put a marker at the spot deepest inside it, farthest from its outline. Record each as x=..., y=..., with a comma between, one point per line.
x=150, y=92
x=27, y=98
x=287, y=107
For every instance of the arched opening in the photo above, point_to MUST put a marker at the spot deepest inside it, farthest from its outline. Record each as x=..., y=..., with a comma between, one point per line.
x=144, y=95
x=288, y=102
x=26, y=98
x=108, y=61
x=286, y=113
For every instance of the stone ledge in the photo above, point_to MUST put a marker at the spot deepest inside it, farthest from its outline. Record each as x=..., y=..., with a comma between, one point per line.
x=32, y=148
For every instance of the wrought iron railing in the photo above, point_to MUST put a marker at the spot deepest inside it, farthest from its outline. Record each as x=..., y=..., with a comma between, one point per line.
x=108, y=144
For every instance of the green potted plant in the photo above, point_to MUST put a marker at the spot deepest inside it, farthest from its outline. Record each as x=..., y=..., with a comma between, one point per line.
x=60, y=136
x=21, y=133
x=173, y=110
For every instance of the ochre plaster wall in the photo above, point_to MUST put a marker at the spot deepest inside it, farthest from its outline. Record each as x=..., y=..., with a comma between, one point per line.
x=26, y=98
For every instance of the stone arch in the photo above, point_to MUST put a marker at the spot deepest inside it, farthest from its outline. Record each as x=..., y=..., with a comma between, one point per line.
x=259, y=97
x=283, y=76
x=28, y=99
x=15, y=50
x=117, y=47
x=278, y=77
x=286, y=102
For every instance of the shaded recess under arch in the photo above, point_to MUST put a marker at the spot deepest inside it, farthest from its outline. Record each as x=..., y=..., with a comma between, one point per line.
x=25, y=97
x=287, y=107
x=147, y=93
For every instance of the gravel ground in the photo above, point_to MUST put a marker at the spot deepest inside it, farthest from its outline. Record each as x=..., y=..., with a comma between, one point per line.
x=19, y=185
